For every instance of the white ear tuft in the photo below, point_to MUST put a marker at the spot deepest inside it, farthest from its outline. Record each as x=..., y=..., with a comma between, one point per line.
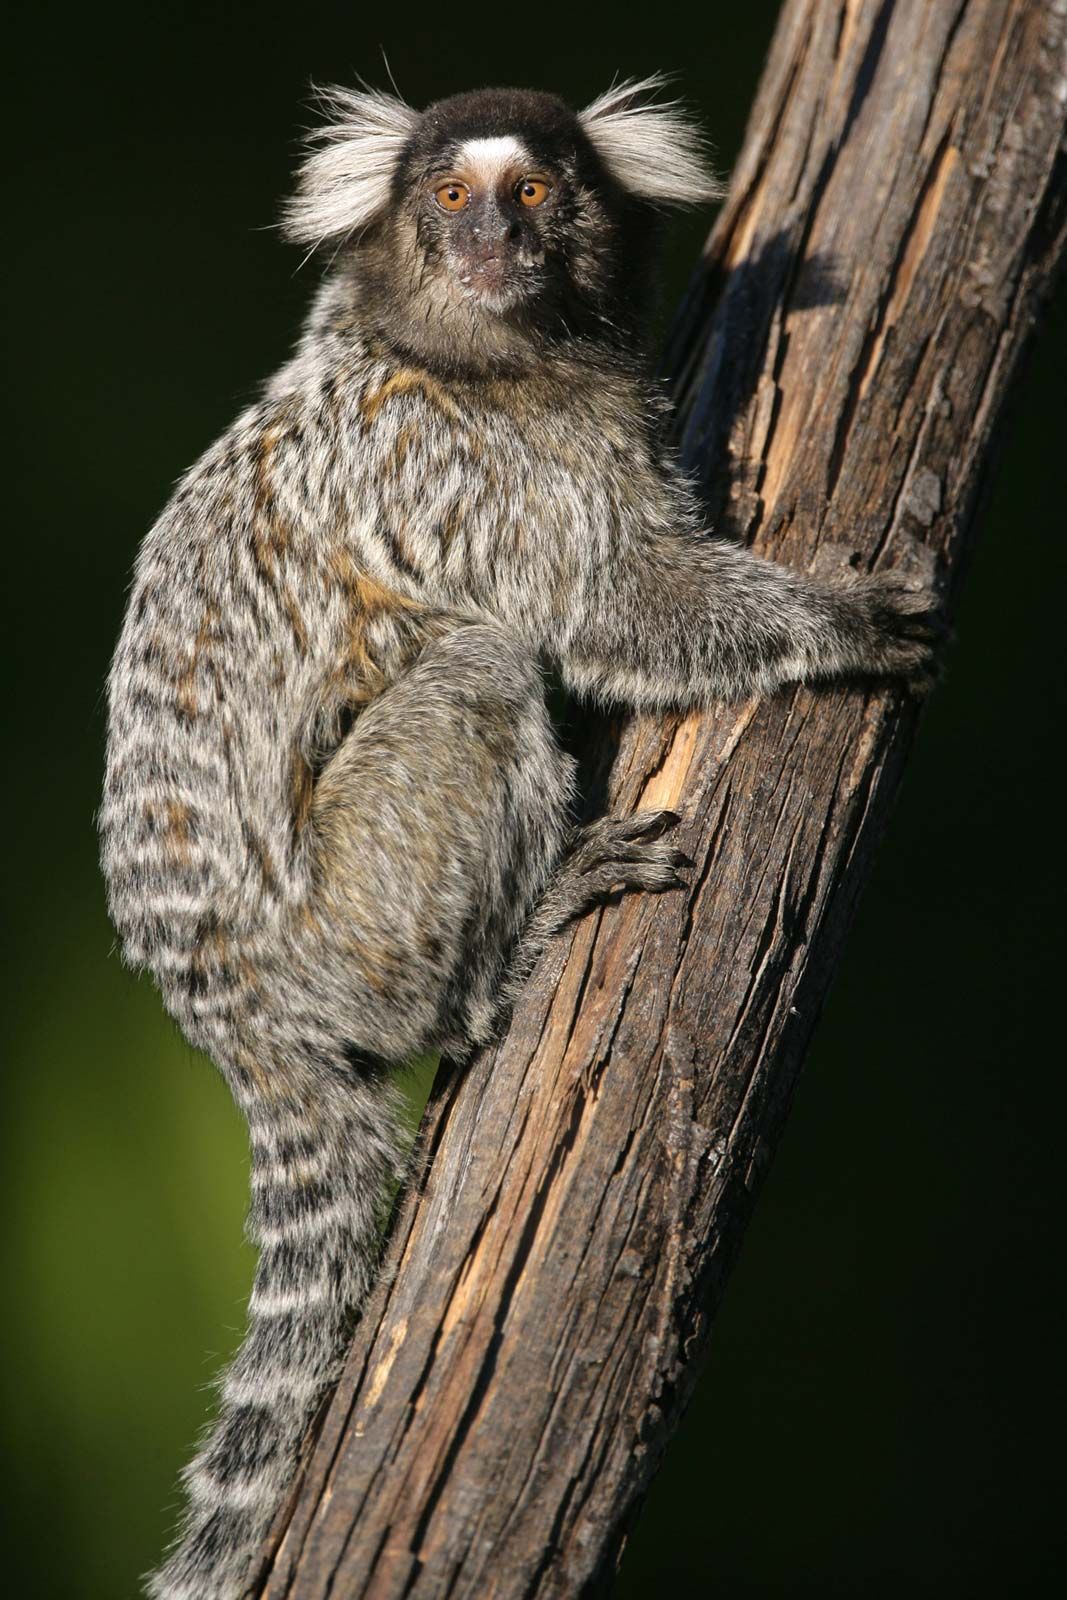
x=653, y=149
x=344, y=184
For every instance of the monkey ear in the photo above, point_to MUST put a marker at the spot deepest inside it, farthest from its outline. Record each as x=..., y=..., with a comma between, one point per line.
x=345, y=182
x=653, y=148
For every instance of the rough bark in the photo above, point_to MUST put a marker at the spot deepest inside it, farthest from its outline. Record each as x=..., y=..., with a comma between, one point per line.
x=841, y=366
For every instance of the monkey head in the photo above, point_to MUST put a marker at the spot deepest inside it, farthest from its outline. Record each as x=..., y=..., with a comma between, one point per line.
x=493, y=222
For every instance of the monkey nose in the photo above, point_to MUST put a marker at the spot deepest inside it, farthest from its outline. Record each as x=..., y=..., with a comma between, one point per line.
x=490, y=241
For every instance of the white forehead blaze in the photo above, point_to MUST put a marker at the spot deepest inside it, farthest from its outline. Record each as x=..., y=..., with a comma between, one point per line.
x=487, y=159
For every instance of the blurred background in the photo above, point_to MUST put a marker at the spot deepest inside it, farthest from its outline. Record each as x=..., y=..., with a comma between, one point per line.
x=878, y=1415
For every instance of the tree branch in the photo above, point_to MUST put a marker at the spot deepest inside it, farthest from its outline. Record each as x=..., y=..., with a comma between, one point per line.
x=841, y=365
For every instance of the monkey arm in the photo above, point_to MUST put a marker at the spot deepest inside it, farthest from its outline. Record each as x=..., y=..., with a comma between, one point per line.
x=680, y=620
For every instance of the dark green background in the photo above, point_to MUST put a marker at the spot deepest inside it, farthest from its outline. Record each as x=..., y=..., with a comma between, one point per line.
x=879, y=1416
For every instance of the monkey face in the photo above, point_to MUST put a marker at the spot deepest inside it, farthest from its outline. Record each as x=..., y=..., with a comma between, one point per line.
x=492, y=224
x=510, y=204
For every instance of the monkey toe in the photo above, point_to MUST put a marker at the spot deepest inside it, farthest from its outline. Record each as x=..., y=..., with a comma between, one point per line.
x=905, y=608
x=647, y=824
x=621, y=838
x=616, y=877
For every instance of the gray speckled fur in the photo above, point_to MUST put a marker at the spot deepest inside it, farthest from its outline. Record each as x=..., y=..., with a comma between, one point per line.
x=335, y=815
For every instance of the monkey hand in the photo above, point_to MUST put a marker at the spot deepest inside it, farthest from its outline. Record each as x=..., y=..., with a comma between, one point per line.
x=900, y=627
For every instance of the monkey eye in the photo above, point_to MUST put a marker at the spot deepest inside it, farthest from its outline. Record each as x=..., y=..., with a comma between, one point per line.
x=532, y=191
x=452, y=196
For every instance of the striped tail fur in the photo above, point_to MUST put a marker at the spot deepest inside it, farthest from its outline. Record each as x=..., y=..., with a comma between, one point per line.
x=324, y=1167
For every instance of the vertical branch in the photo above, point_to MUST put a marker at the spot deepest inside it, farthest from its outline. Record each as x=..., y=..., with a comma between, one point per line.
x=897, y=214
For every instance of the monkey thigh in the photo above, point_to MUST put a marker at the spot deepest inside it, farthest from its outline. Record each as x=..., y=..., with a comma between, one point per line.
x=438, y=823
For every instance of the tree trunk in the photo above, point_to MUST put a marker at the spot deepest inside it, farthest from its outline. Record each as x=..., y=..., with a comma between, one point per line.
x=841, y=365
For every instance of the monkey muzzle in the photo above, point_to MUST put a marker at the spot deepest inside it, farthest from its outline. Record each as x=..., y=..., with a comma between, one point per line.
x=488, y=271
x=490, y=263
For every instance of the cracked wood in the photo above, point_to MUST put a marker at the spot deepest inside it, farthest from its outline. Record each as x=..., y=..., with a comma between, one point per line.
x=841, y=364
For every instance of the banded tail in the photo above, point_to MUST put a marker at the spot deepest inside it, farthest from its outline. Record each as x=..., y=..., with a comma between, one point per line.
x=323, y=1170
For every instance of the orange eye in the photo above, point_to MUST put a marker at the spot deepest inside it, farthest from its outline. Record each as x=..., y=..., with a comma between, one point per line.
x=452, y=196
x=532, y=191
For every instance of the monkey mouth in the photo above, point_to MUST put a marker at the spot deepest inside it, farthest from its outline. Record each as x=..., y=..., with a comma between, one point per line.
x=493, y=281
x=490, y=268
x=487, y=279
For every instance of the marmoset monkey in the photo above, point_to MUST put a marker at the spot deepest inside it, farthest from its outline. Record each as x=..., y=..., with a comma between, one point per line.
x=336, y=819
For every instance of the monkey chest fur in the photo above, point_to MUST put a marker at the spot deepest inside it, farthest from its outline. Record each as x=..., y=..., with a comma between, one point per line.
x=478, y=491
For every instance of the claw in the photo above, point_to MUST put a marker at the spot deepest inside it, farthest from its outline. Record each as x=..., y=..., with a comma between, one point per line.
x=650, y=824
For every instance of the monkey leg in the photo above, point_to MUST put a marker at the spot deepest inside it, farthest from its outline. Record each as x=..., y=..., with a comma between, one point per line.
x=445, y=854
x=437, y=826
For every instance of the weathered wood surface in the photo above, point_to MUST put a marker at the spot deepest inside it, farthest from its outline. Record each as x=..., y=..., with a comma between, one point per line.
x=895, y=217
